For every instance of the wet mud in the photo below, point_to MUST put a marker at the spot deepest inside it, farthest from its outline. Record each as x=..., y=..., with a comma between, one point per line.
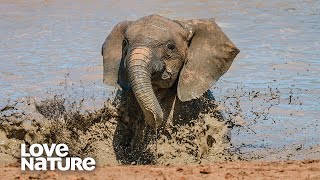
x=197, y=132
x=201, y=131
x=116, y=133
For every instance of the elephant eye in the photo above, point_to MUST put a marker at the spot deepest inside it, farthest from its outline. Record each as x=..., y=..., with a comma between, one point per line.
x=125, y=42
x=171, y=46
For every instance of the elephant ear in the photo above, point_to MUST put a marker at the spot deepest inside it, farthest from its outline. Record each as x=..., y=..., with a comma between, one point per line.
x=209, y=56
x=113, y=73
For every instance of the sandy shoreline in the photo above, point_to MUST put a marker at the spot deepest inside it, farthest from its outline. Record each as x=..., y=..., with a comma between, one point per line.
x=307, y=169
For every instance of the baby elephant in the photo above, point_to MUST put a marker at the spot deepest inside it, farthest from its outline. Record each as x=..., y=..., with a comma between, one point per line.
x=155, y=56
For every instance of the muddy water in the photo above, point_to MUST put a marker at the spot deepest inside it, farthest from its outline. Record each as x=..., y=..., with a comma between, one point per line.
x=272, y=91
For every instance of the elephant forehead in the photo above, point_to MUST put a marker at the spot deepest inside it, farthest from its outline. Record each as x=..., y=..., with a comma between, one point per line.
x=153, y=31
x=154, y=27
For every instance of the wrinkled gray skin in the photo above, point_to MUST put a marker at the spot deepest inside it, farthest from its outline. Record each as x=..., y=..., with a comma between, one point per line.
x=153, y=55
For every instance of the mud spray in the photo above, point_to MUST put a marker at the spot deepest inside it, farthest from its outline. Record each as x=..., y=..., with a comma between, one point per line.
x=93, y=133
x=109, y=135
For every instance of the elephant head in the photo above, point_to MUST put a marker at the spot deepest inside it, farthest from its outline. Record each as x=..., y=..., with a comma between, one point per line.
x=154, y=52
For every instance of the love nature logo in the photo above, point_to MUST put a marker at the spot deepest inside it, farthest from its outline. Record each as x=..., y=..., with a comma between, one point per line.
x=41, y=157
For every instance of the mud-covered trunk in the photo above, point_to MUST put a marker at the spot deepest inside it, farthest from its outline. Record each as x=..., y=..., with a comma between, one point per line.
x=140, y=79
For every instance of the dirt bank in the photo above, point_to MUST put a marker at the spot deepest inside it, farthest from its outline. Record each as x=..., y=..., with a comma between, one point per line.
x=230, y=170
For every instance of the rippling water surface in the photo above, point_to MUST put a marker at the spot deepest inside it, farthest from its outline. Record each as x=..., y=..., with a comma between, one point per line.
x=48, y=44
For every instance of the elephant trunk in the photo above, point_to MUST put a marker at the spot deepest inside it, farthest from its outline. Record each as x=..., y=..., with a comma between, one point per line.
x=140, y=79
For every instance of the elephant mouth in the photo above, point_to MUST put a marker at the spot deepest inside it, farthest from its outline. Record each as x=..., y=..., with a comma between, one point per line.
x=162, y=80
x=160, y=76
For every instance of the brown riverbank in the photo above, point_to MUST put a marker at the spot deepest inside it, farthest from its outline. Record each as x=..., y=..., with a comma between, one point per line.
x=307, y=169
